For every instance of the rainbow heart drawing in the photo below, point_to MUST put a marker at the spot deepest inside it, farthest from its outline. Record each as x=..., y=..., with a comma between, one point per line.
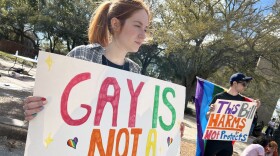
x=169, y=140
x=73, y=143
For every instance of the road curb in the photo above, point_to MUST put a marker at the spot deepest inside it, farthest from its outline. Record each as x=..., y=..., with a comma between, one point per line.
x=13, y=128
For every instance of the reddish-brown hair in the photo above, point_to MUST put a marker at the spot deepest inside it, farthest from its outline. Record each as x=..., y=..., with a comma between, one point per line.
x=100, y=25
x=273, y=144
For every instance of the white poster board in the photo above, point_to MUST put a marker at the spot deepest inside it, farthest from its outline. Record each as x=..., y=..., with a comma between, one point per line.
x=231, y=120
x=95, y=110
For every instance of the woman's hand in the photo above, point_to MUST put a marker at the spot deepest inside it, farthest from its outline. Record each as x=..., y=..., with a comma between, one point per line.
x=33, y=105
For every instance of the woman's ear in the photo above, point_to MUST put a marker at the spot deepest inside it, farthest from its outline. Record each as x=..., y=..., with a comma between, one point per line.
x=115, y=24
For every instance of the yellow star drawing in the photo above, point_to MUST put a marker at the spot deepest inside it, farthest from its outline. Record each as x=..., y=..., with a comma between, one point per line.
x=48, y=140
x=49, y=62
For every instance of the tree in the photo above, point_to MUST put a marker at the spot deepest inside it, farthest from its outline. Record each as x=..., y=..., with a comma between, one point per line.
x=15, y=21
x=148, y=55
x=204, y=36
x=58, y=22
x=64, y=21
x=74, y=21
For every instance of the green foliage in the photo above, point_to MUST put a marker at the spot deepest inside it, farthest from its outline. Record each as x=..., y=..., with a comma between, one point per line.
x=66, y=21
x=149, y=56
x=14, y=19
x=202, y=37
x=62, y=21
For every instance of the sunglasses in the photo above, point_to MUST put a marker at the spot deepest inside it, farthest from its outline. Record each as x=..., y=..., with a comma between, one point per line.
x=244, y=84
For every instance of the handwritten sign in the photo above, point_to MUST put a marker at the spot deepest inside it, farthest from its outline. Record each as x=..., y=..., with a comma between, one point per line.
x=231, y=120
x=98, y=110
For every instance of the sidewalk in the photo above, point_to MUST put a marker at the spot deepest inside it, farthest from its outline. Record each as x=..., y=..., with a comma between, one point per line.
x=12, y=138
x=13, y=130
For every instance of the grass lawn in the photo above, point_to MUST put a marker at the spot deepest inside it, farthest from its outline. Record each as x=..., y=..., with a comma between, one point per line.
x=10, y=57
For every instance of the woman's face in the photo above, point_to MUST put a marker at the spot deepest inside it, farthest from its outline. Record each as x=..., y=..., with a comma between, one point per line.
x=269, y=149
x=133, y=32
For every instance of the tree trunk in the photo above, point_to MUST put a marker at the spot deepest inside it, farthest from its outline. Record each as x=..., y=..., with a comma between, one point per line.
x=190, y=84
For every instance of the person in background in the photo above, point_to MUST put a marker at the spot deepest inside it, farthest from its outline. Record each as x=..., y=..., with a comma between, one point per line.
x=257, y=148
x=238, y=84
x=270, y=128
x=254, y=123
x=116, y=28
x=271, y=149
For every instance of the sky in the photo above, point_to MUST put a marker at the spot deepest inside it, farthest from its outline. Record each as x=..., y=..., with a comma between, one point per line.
x=266, y=3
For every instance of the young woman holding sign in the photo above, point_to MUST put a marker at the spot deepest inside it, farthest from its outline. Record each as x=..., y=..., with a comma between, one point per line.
x=116, y=28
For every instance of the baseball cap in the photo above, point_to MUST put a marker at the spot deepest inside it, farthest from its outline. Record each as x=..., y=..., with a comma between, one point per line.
x=239, y=77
